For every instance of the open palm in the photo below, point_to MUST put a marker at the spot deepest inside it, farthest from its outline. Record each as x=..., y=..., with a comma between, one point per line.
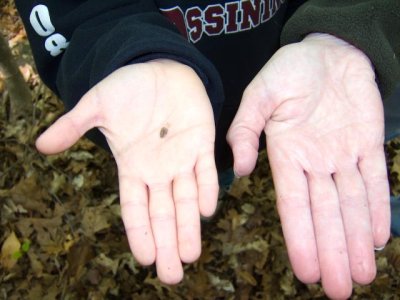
x=159, y=124
x=321, y=111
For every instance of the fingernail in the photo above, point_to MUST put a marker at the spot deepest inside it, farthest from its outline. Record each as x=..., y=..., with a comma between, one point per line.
x=379, y=248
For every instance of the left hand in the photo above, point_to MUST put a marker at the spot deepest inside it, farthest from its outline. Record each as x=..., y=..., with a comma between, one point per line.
x=320, y=108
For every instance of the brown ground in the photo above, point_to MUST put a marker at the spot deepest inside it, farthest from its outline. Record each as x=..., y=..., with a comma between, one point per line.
x=62, y=237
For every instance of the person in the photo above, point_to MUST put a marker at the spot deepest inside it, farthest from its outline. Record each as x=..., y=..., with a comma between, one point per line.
x=165, y=81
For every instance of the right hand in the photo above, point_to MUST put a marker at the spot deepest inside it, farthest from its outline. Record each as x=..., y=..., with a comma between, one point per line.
x=159, y=124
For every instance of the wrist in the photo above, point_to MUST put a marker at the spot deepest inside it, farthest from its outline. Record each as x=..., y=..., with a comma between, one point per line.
x=325, y=38
x=166, y=62
x=333, y=43
x=168, y=68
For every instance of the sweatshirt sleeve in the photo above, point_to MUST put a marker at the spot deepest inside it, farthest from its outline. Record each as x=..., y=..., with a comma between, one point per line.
x=78, y=43
x=371, y=25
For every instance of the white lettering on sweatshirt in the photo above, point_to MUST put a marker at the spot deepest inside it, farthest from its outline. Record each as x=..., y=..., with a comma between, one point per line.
x=55, y=43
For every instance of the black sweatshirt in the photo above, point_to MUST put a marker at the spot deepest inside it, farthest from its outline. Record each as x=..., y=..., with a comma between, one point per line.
x=78, y=43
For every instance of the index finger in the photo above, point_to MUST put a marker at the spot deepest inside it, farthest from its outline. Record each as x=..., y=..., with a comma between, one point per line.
x=294, y=210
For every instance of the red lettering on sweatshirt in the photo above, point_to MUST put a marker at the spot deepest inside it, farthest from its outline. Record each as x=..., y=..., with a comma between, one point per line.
x=194, y=23
x=251, y=11
x=232, y=17
x=176, y=16
x=216, y=19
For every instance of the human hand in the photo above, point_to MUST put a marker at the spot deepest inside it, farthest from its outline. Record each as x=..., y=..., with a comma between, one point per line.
x=159, y=124
x=322, y=114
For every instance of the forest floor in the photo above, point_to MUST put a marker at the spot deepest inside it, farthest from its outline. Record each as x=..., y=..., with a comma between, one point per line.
x=61, y=235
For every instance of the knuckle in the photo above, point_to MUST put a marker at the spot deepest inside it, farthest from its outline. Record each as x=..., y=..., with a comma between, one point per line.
x=185, y=200
x=162, y=217
x=158, y=187
x=353, y=199
x=294, y=201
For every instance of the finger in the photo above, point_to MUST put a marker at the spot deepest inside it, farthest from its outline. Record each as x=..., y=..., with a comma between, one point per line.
x=135, y=215
x=374, y=173
x=244, y=132
x=357, y=224
x=187, y=217
x=207, y=184
x=162, y=216
x=295, y=213
x=68, y=129
x=330, y=236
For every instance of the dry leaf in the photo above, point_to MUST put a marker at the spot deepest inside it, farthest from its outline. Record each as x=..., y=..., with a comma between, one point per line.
x=36, y=264
x=27, y=71
x=20, y=37
x=107, y=263
x=95, y=219
x=28, y=193
x=2, y=85
x=240, y=187
x=222, y=284
x=10, y=246
x=247, y=277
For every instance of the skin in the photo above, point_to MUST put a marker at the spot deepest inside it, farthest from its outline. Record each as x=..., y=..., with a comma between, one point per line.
x=320, y=108
x=318, y=104
x=167, y=178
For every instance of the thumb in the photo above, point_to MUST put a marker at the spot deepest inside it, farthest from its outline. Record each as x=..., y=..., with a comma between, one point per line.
x=68, y=129
x=250, y=120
